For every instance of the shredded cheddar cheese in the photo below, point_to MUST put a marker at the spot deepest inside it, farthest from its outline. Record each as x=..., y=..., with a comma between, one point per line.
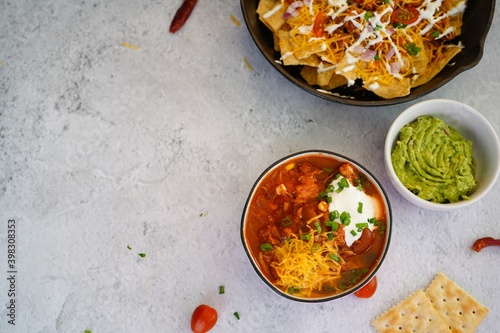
x=235, y=20
x=130, y=46
x=306, y=266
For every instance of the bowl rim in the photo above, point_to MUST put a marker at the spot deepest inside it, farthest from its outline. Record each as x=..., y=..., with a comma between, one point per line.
x=417, y=92
x=381, y=257
x=392, y=135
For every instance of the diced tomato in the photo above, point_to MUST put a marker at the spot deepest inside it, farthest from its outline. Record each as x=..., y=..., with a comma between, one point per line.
x=368, y=289
x=406, y=15
x=319, y=25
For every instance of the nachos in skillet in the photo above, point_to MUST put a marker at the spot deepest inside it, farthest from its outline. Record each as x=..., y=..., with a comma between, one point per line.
x=390, y=46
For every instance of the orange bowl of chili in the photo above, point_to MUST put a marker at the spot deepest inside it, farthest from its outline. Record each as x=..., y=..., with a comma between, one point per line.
x=316, y=226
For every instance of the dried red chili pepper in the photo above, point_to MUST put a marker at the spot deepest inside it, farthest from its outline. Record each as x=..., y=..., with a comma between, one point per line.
x=485, y=242
x=182, y=15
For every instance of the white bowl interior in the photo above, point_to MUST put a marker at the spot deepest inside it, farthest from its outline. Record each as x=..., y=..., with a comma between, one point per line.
x=472, y=125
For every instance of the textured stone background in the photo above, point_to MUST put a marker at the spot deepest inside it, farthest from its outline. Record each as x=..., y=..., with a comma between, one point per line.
x=104, y=146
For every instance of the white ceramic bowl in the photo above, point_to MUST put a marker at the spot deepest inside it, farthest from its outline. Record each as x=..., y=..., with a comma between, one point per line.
x=248, y=210
x=472, y=125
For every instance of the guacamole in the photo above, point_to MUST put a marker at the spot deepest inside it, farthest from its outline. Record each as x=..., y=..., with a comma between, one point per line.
x=434, y=161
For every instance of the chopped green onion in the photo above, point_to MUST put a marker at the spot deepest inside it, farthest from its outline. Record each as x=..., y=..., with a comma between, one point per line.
x=333, y=257
x=345, y=218
x=315, y=247
x=128, y=247
x=142, y=255
x=330, y=236
x=343, y=183
x=317, y=226
x=362, y=225
x=335, y=226
x=321, y=195
x=353, y=232
x=368, y=15
x=306, y=237
x=329, y=199
x=330, y=188
x=334, y=214
x=266, y=247
x=398, y=25
x=376, y=57
x=360, y=207
x=328, y=170
x=293, y=290
x=237, y=315
x=222, y=290
x=434, y=34
x=286, y=222
x=412, y=48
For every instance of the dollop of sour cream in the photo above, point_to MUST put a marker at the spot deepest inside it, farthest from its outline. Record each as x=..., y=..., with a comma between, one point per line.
x=359, y=206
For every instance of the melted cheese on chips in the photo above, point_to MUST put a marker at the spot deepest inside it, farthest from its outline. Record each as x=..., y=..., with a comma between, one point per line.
x=359, y=41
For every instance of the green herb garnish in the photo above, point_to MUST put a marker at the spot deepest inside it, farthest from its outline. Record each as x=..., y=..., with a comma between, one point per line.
x=333, y=257
x=317, y=226
x=266, y=247
x=412, y=48
x=286, y=222
x=345, y=218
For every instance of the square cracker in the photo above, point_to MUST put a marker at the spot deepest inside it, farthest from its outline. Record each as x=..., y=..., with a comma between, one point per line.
x=461, y=312
x=415, y=314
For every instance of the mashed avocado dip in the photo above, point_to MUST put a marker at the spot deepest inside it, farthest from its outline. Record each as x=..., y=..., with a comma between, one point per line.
x=434, y=161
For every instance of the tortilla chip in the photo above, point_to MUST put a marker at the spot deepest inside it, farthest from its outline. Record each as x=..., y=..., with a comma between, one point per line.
x=433, y=68
x=326, y=79
x=335, y=82
x=272, y=19
x=395, y=88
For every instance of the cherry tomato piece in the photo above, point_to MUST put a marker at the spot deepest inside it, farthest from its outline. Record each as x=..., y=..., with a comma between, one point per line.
x=368, y=289
x=319, y=25
x=406, y=15
x=203, y=319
